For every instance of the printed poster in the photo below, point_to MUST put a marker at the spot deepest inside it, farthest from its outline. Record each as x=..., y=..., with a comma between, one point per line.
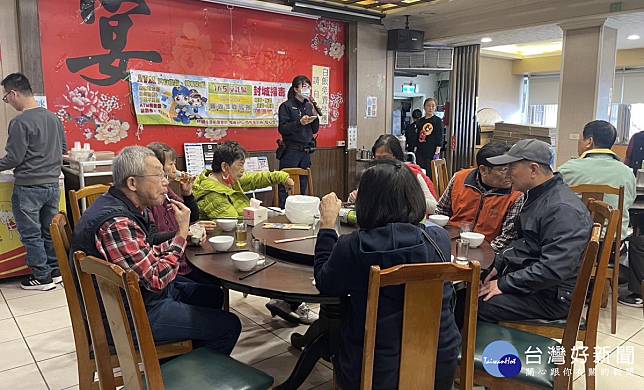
x=372, y=107
x=182, y=100
x=320, y=89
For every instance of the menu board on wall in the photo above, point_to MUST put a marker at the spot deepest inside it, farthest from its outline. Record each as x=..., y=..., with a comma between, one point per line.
x=181, y=100
x=199, y=157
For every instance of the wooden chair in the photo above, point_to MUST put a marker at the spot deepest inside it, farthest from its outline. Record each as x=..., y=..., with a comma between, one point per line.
x=421, y=321
x=603, y=215
x=61, y=236
x=89, y=194
x=598, y=192
x=199, y=369
x=522, y=341
x=440, y=176
x=295, y=174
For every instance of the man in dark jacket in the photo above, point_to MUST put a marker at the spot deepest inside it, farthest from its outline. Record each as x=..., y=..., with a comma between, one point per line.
x=534, y=277
x=116, y=228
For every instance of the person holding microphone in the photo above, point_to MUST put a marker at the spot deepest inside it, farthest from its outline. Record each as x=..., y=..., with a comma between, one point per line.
x=298, y=124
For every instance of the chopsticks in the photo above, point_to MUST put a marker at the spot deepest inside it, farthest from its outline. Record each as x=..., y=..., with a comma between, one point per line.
x=256, y=271
x=206, y=253
x=294, y=239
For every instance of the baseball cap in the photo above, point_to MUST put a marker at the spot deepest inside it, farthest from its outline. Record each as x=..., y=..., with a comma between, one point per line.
x=526, y=149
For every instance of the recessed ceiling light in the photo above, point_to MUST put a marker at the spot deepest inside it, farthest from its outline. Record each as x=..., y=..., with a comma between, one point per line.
x=633, y=37
x=486, y=39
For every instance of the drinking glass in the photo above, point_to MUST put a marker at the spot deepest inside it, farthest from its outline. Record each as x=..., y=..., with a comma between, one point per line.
x=466, y=227
x=462, y=248
x=240, y=235
x=315, y=227
x=258, y=246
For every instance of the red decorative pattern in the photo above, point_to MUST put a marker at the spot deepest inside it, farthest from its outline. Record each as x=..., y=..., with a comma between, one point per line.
x=192, y=37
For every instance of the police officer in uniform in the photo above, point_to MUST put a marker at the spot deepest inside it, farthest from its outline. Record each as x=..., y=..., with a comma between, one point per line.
x=298, y=123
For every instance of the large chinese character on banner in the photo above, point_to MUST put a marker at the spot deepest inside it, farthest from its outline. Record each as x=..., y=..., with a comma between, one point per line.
x=243, y=60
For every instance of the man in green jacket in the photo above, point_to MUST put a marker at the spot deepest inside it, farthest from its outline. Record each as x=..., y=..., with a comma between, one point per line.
x=598, y=164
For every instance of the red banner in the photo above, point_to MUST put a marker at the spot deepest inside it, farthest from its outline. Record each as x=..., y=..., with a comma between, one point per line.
x=88, y=49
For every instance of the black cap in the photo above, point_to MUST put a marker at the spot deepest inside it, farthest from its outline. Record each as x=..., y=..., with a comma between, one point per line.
x=526, y=149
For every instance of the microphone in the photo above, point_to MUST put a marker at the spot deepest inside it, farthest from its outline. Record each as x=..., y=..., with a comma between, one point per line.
x=315, y=105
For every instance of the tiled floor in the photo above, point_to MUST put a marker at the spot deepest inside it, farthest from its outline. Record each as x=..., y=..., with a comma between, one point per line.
x=37, y=345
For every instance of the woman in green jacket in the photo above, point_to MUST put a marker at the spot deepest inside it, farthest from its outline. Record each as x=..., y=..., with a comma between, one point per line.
x=220, y=192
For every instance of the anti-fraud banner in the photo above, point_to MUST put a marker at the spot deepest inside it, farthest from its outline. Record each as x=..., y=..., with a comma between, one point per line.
x=181, y=100
x=321, y=77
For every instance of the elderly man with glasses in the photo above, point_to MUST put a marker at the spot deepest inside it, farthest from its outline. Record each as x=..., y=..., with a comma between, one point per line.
x=481, y=199
x=117, y=228
x=35, y=149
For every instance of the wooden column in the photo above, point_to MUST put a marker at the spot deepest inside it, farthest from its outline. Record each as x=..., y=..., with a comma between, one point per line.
x=9, y=60
x=30, y=54
x=465, y=85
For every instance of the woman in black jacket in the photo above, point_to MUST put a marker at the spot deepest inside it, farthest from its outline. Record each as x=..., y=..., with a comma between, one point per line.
x=298, y=124
x=390, y=234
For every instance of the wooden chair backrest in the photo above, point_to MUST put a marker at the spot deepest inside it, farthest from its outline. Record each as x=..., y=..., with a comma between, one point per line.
x=61, y=237
x=609, y=220
x=112, y=282
x=89, y=193
x=598, y=192
x=421, y=320
x=295, y=173
x=578, y=298
x=440, y=176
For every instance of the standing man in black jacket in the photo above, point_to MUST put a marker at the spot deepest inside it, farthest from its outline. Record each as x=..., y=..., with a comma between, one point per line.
x=535, y=275
x=298, y=122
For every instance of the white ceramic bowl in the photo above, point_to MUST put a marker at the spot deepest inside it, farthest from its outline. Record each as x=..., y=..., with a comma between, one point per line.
x=227, y=225
x=245, y=261
x=221, y=243
x=440, y=220
x=475, y=239
x=302, y=208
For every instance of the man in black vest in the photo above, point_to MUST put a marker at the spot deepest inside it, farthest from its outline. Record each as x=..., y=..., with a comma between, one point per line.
x=116, y=228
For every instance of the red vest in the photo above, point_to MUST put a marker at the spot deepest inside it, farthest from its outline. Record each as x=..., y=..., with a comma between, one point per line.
x=484, y=212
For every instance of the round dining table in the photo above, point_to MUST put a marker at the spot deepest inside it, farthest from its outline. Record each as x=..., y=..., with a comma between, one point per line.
x=288, y=275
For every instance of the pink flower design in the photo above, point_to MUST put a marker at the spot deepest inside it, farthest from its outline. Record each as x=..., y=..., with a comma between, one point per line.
x=112, y=131
x=103, y=116
x=326, y=40
x=336, y=51
x=335, y=101
x=82, y=99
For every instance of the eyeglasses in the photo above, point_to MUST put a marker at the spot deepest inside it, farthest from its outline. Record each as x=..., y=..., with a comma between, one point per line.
x=160, y=176
x=4, y=98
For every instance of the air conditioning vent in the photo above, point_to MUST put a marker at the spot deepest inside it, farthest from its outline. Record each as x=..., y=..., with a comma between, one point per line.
x=432, y=58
